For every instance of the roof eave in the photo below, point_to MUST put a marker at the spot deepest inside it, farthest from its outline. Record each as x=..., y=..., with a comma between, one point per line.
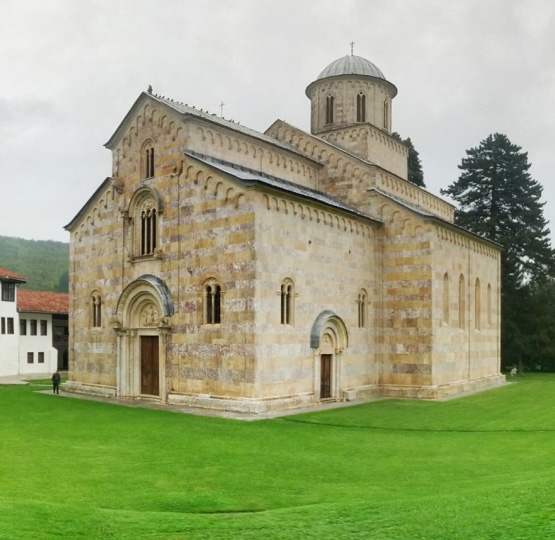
x=71, y=225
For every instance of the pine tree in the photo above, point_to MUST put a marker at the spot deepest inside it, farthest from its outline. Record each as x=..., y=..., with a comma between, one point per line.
x=499, y=200
x=416, y=175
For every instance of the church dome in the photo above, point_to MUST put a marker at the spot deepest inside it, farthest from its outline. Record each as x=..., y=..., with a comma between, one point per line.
x=351, y=65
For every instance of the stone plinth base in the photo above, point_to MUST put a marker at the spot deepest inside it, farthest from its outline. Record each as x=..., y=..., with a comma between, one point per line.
x=99, y=390
x=362, y=392
x=241, y=405
x=442, y=391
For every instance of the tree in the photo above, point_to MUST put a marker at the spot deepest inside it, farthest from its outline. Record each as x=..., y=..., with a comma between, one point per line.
x=499, y=200
x=416, y=175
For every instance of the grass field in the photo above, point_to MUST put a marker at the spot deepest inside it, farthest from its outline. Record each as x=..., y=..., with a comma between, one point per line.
x=479, y=467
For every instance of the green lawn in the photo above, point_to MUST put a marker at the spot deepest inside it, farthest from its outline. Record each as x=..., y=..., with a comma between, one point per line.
x=480, y=467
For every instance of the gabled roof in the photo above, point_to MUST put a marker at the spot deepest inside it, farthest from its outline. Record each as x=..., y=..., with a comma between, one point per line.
x=42, y=302
x=8, y=275
x=249, y=177
x=185, y=111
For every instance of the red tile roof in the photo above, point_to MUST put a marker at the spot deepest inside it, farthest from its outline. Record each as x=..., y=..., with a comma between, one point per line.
x=8, y=274
x=42, y=301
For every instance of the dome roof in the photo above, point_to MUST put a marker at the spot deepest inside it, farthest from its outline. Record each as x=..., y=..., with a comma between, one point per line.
x=351, y=65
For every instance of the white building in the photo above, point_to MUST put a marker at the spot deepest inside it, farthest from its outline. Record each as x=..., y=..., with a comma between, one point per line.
x=9, y=330
x=33, y=328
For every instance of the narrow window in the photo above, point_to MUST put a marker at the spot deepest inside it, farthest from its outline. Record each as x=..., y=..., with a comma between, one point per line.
x=446, y=299
x=287, y=301
x=362, y=309
x=148, y=231
x=149, y=162
x=10, y=325
x=361, y=107
x=489, y=304
x=40, y=359
x=329, y=109
x=22, y=327
x=8, y=292
x=30, y=357
x=477, y=306
x=96, y=310
x=212, y=303
x=461, y=302
x=386, y=114
x=3, y=325
x=43, y=328
x=33, y=324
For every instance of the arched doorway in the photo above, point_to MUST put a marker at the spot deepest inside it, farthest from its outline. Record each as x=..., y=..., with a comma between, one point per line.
x=143, y=332
x=328, y=339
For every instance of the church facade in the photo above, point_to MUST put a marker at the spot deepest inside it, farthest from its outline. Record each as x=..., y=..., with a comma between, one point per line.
x=224, y=268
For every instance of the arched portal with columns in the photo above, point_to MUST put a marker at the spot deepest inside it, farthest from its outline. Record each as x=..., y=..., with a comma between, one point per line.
x=328, y=339
x=143, y=333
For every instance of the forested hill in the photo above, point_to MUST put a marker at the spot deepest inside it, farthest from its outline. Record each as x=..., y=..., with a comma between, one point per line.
x=43, y=263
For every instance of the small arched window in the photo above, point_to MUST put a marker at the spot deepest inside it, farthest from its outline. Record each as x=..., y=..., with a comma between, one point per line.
x=287, y=301
x=477, y=306
x=148, y=161
x=462, y=306
x=362, y=302
x=361, y=107
x=212, y=302
x=489, y=304
x=445, y=310
x=386, y=114
x=96, y=310
x=329, y=109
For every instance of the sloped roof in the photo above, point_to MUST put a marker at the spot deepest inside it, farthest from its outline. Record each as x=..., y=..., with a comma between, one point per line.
x=250, y=177
x=8, y=275
x=186, y=111
x=42, y=301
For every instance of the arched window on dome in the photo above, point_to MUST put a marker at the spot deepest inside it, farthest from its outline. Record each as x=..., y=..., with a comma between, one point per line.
x=386, y=114
x=361, y=107
x=329, y=109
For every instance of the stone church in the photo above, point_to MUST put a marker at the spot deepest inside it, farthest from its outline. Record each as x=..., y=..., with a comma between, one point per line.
x=224, y=268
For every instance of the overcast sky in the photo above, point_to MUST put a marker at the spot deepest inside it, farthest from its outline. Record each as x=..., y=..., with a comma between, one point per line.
x=71, y=69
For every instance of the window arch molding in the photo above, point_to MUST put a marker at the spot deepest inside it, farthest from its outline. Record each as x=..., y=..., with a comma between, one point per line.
x=212, y=295
x=287, y=301
x=361, y=107
x=145, y=209
x=477, y=305
x=147, y=159
x=96, y=306
x=462, y=302
x=362, y=302
x=330, y=106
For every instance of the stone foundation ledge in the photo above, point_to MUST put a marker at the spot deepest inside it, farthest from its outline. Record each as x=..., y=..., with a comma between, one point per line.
x=98, y=390
x=443, y=391
x=368, y=391
x=242, y=405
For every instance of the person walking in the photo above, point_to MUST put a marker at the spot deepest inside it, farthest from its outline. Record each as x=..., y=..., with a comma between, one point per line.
x=56, y=383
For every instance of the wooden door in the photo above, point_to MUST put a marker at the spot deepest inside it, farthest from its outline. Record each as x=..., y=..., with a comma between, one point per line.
x=325, y=376
x=149, y=366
